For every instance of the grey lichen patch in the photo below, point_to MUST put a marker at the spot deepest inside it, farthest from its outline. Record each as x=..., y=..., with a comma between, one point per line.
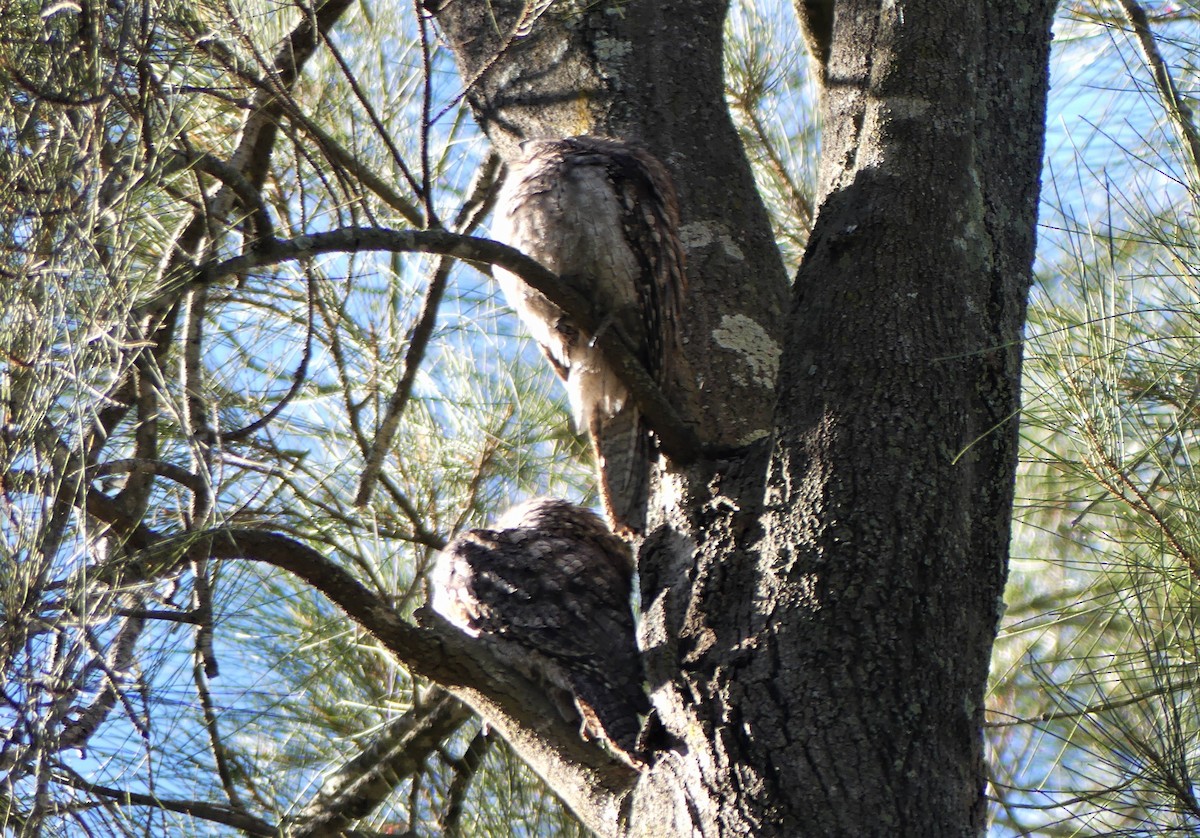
x=752, y=437
x=759, y=353
x=701, y=234
x=612, y=49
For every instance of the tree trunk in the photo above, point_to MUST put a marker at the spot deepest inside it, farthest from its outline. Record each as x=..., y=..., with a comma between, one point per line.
x=821, y=599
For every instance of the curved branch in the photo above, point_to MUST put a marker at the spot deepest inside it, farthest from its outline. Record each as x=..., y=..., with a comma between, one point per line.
x=298, y=377
x=143, y=465
x=588, y=779
x=195, y=808
x=251, y=199
x=676, y=438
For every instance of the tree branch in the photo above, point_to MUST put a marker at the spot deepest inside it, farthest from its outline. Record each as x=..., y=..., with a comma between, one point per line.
x=465, y=769
x=261, y=225
x=676, y=438
x=588, y=779
x=1176, y=104
x=196, y=808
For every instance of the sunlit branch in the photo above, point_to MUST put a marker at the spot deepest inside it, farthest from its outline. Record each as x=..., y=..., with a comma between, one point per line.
x=1117, y=482
x=801, y=207
x=426, y=124
x=1176, y=104
x=345, y=159
x=521, y=709
x=198, y=425
x=418, y=342
x=138, y=465
x=1093, y=709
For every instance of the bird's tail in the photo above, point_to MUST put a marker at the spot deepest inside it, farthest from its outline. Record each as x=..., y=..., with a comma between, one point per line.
x=612, y=706
x=624, y=451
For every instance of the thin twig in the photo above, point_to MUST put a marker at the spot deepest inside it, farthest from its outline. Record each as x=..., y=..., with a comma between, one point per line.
x=195, y=808
x=1178, y=110
x=1092, y=709
x=341, y=157
x=465, y=769
x=1139, y=502
x=298, y=377
x=422, y=332
x=426, y=106
x=390, y=421
x=216, y=744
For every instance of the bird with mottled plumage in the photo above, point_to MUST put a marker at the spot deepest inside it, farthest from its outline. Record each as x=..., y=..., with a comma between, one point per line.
x=549, y=585
x=602, y=214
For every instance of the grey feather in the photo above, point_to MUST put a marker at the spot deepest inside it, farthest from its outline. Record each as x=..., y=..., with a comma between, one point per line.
x=550, y=586
x=602, y=214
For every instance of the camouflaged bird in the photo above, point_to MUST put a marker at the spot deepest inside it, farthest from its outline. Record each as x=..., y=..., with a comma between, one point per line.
x=549, y=586
x=602, y=214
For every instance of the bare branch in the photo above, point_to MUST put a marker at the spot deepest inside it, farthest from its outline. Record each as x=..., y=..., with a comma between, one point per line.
x=340, y=156
x=422, y=187
x=676, y=439
x=215, y=742
x=116, y=670
x=138, y=465
x=478, y=196
x=262, y=227
x=465, y=769
x=587, y=777
x=196, y=808
x=298, y=378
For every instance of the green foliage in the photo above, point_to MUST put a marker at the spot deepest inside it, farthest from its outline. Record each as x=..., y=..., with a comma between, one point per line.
x=126, y=378
x=774, y=105
x=139, y=397
x=1094, y=728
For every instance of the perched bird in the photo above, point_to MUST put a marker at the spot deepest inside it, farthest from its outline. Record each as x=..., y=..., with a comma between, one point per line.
x=602, y=214
x=550, y=586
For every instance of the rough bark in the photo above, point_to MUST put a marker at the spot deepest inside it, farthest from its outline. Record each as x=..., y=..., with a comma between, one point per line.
x=650, y=71
x=820, y=602
x=892, y=478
